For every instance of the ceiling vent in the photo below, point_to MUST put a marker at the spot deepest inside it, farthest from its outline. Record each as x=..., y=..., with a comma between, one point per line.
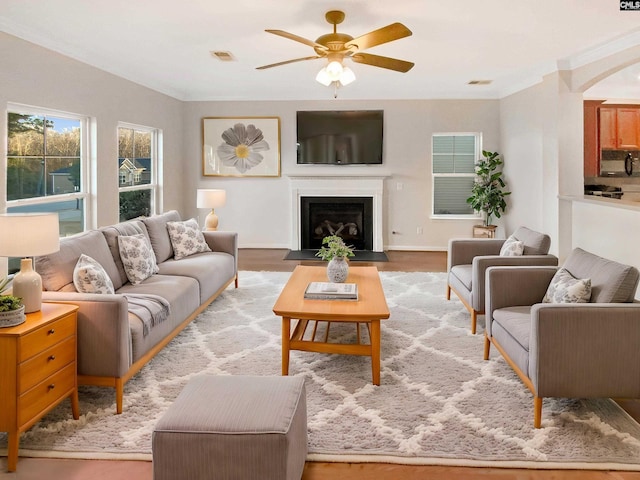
x=223, y=56
x=479, y=82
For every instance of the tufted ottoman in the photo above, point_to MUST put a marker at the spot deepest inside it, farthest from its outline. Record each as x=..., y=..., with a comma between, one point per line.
x=233, y=427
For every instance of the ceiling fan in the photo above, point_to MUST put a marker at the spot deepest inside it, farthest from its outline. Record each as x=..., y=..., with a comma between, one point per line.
x=335, y=47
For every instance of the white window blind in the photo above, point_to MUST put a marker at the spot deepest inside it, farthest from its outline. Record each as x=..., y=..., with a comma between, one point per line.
x=453, y=159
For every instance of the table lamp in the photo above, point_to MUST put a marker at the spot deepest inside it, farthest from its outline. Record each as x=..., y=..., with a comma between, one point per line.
x=210, y=198
x=28, y=235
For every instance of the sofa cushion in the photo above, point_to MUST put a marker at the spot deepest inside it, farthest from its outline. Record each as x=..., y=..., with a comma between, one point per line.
x=90, y=277
x=111, y=234
x=512, y=247
x=186, y=238
x=56, y=269
x=137, y=257
x=611, y=282
x=464, y=273
x=535, y=243
x=158, y=234
x=565, y=288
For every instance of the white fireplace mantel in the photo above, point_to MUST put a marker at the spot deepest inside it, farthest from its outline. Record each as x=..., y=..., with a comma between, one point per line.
x=337, y=186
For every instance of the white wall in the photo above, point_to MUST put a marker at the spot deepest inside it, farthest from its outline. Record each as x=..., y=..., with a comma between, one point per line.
x=259, y=209
x=35, y=76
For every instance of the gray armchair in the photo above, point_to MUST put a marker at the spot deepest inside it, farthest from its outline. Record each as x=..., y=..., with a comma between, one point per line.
x=468, y=260
x=567, y=350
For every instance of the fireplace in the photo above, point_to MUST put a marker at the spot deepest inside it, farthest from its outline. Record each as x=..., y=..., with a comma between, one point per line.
x=343, y=186
x=348, y=217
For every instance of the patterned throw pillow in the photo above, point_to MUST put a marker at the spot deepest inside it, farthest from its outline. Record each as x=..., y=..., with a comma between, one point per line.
x=565, y=288
x=90, y=277
x=137, y=257
x=186, y=238
x=512, y=247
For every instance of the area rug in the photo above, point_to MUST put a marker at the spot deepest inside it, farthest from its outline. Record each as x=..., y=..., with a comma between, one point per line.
x=438, y=403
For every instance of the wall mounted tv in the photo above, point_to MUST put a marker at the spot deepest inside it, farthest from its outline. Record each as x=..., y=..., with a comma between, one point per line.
x=346, y=137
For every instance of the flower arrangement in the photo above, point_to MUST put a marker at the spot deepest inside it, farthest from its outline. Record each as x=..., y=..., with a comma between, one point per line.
x=333, y=246
x=8, y=302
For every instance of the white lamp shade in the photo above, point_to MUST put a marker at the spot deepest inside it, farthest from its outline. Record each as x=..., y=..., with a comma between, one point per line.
x=347, y=76
x=211, y=198
x=29, y=234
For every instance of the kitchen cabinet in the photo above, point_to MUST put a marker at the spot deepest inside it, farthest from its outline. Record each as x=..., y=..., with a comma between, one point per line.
x=619, y=128
x=628, y=128
x=591, y=147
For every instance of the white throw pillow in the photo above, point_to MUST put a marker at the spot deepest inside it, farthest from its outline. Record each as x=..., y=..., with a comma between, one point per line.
x=186, y=238
x=512, y=247
x=90, y=277
x=565, y=288
x=137, y=257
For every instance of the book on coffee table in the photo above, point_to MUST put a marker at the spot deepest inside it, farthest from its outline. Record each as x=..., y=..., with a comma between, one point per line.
x=331, y=291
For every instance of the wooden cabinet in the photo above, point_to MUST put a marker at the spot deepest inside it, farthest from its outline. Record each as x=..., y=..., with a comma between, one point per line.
x=628, y=128
x=619, y=128
x=38, y=364
x=591, y=144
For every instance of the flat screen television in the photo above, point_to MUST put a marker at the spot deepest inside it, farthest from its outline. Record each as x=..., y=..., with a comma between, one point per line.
x=345, y=137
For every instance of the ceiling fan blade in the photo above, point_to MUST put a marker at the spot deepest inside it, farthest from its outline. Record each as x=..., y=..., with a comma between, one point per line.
x=288, y=61
x=297, y=38
x=386, y=34
x=383, y=62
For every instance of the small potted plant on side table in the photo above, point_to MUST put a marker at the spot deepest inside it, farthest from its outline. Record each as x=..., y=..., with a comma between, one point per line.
x=336, y=251
x=11, y=308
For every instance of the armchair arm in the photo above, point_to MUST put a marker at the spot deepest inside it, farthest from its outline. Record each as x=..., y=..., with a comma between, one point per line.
x=584, y=350
x=461, y=251
x=482, y=263
x=515, y=286
x=226, y=242
x=104, y=336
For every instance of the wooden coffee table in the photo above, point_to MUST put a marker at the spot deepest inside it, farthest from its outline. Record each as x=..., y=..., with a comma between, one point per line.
x=369, y=309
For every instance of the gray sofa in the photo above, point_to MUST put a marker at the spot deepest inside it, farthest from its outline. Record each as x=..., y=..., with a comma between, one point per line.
x=469, y=258
x=570, y=350
x=114, y=343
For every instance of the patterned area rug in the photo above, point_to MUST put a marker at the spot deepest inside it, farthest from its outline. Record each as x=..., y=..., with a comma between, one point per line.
x=438, y=403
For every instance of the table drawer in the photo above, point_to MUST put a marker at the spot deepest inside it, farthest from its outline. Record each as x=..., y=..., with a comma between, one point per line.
x=38, y=368
x=32, y=403
x=46, y=336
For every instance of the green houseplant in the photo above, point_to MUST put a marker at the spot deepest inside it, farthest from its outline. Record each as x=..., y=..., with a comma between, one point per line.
x=11, y=308
x=488, y=191
x=336, y=251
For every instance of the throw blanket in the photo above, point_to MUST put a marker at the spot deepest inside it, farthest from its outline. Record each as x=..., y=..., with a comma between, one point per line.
x=151, y=309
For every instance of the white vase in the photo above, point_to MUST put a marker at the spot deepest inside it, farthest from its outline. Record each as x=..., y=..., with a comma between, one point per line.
x=337, y=270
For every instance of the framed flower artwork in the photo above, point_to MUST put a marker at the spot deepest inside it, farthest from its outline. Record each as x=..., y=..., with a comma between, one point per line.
x=241, y=146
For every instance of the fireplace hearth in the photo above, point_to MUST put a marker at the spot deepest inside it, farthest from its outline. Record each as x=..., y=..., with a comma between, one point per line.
x=348, y=217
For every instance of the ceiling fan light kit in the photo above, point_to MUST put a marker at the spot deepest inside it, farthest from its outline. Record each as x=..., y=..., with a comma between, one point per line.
x=336, y=47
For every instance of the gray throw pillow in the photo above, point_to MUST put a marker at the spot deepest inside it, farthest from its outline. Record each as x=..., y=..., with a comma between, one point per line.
x=512, y=247
x=186, y=238
x=565, y=288
x=137, y=257
x=90, y=277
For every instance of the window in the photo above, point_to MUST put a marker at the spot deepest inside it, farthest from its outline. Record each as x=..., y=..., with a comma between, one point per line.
x=47, y=162
x=453, y=160
x=138, y=162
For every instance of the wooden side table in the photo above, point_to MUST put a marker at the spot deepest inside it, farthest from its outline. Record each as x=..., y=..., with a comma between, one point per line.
x=38, y=364
x=484, y=231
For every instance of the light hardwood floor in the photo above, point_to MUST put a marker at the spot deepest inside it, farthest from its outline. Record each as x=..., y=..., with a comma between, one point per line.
x=272, y=260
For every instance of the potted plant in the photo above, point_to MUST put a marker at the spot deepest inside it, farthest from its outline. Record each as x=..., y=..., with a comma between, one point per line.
x=488, y=194
x=11, y=308
x=336, y=251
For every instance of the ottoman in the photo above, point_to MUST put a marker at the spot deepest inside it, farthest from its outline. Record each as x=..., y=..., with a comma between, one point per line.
x=233, y=427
